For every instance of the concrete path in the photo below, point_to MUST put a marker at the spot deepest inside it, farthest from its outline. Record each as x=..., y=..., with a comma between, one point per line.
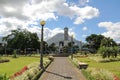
x=62, y=69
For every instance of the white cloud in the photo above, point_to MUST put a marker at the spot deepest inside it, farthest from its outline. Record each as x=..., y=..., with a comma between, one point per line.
x=34, y=9
x=48, y=33
x=25, y=13
x=79, y=20
x=8, y=24
x=84, y=28
x=84, y=13
x=83, y=2
x=9, y=9
x=113, y=29
x=71, y=33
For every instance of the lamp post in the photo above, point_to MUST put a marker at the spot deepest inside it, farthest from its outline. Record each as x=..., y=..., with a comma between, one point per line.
x=41, y=47
x=45, y=47
x=81, y=46
x=71, y=46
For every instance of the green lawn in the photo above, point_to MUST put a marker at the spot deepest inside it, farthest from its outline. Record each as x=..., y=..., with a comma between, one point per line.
x=113, y=67
x=16, y=64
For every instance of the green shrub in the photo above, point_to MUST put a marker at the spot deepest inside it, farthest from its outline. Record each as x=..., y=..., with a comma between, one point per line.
x=3, y=77
x=108, y=51
x=33, y=71
x=100, y=74
x=51, y=58
x=87, y=75
x=14, y=54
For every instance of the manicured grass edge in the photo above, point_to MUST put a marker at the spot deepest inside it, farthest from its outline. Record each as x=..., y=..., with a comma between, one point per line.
x=84, y=72
x=37, y=76
x=75, y=64
x=87, y=75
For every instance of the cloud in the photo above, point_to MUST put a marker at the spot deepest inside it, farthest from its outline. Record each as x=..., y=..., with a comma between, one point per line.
x=48, y=33
x=25, y=14
x=84, y=13
x=113, y=29
x=8, y=24
x=84, y=28
x=83, y=2
x=12, y=8
x=79, y=20
x=46, y=9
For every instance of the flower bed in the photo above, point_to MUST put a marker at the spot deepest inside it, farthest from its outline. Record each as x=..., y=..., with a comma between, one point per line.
x=30, y=72
x=99, y=74
x=96, y=73
x=18, y=73
x=3, y=77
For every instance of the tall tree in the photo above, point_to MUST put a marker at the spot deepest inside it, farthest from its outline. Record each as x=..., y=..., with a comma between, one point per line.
x=108, y=42
x=22, y=39
x=52, y=47
x=94, y=41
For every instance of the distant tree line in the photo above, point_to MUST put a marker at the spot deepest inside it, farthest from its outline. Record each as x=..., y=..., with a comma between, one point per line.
x=103, y=45
x=24, y=42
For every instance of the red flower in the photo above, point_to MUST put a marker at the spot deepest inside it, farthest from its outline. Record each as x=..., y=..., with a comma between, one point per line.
x=116, y=78
x=19, y=73
x=11, y=77
x=16, y=74
x=25, y=68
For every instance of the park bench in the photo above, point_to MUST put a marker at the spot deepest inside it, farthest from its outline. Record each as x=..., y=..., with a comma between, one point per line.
x=82, y=65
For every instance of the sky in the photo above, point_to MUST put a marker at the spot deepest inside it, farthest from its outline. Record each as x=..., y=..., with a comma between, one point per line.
x=82, y=17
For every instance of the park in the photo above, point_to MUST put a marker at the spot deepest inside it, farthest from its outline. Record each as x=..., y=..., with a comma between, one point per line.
x=59, y=40
x=20, y=58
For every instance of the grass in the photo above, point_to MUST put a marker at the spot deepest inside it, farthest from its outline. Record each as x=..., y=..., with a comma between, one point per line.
x=113, y=67
x=16, y=64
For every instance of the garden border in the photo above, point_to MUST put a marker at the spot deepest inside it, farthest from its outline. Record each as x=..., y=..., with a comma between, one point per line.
x=38, y=75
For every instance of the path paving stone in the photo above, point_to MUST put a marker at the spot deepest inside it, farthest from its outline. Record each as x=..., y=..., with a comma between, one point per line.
x=62, y=69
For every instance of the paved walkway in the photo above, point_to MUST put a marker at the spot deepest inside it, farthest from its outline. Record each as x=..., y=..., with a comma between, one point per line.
x=62, y=69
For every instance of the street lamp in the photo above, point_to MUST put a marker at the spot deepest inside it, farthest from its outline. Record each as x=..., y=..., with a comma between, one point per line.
x=41, y=47
x=71, y=46
x=81, y=46
x=45, y=47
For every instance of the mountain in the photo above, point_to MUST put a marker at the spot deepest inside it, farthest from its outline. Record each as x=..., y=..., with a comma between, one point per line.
x=60, y=37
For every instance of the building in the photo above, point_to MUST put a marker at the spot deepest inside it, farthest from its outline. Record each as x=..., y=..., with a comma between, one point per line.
x=62, y=39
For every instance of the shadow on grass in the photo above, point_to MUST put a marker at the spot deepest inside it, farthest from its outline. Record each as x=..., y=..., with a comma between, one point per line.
x=66, y=77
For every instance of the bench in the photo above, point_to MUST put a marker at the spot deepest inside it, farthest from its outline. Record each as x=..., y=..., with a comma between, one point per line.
x=82, y=65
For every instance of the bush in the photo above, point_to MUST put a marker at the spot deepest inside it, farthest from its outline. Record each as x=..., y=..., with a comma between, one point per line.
x=87, y=75
x=30, y=72
x=3, y=77
x=14, y=54
x=100, y=74
x=108, y=51
x=51, y=58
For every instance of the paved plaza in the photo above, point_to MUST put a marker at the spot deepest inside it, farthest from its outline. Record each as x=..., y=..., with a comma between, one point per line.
x=62, y=69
